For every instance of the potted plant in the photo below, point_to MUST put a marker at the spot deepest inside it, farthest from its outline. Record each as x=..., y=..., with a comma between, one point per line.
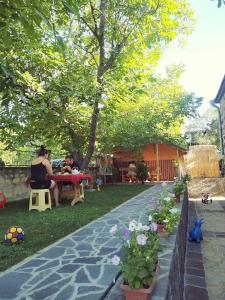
x=139, y=264
x=163, y=212
x=178, y=189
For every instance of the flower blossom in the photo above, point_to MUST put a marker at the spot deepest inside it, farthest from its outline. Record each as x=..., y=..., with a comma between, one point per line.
x=113, y=229
x=126, y=232
x=145, y=227
x=132, y=225
x=115, y=260
x=166, y=221
x=153, y=226
x=173, y=210
x=142, y=239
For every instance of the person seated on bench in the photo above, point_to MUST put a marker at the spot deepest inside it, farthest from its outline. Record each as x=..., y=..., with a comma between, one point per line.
x=40, y=168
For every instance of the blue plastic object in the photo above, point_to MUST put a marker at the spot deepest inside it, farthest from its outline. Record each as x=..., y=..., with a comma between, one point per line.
x=196, y=233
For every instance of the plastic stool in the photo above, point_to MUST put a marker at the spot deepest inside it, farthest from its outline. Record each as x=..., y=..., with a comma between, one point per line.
x=42, y=200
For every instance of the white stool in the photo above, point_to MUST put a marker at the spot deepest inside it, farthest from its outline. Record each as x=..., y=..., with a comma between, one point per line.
x=42, y=199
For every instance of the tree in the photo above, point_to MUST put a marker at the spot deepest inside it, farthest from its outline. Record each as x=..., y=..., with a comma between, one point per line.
x=66, y=75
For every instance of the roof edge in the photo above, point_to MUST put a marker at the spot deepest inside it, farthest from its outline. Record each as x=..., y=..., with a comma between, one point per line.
x=220, y=92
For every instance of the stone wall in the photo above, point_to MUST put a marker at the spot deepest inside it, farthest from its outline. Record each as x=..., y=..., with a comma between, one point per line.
x=12, y=182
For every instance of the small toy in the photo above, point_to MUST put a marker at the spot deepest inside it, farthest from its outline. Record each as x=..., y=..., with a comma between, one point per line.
x=98, y=183
x=196, y=233
x=14, y=235
x=205, y=199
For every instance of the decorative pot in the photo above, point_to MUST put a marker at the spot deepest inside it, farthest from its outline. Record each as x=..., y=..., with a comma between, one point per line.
x=161, y=230
x=142, y=293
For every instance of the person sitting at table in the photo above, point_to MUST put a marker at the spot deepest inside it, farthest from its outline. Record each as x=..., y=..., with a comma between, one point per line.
x=40, y=168
x=69, y=165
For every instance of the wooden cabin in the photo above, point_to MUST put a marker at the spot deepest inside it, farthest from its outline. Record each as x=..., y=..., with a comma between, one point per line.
x=165, y=161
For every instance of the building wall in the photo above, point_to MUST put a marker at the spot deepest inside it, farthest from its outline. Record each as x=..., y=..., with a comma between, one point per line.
x=148, y=153
x=222, y=111
x=12, y=182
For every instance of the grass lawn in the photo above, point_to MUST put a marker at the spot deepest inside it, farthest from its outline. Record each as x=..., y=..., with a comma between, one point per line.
x=43, y=228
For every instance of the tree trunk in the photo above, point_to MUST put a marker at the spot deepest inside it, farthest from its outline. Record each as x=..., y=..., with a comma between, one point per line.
x=100, y=73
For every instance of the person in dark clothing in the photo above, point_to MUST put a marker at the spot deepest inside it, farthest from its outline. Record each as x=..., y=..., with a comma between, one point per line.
x=69, y=165
x=40, y=168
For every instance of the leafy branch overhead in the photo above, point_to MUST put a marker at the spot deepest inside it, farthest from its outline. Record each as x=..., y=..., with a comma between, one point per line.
x=75, y=73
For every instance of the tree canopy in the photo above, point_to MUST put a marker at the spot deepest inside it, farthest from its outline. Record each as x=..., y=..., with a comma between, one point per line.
x=81, y=73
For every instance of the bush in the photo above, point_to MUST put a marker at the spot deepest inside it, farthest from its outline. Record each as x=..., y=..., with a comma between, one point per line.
x=142, y=172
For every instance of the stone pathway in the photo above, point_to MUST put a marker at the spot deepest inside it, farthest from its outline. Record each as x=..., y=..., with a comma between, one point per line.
x=77, y=267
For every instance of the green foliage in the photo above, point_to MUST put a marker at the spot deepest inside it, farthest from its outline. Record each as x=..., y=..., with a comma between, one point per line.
x=178, y=188
x=142, y=171
x=140, y=254
x=185, y=178
x=163, y=211
x=70, y=68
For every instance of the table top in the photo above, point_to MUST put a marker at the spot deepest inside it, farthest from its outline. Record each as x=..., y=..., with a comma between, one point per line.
x=74, y=178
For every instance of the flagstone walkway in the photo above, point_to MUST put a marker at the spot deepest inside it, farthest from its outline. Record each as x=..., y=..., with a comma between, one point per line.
x=77, y=267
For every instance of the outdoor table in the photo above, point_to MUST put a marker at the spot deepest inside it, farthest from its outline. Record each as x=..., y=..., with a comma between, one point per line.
x=75, y=180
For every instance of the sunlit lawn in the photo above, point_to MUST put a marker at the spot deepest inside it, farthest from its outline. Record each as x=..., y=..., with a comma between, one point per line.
x=43, y=228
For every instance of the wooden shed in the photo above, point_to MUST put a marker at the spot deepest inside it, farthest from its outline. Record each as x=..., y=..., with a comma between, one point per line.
x=165, y=161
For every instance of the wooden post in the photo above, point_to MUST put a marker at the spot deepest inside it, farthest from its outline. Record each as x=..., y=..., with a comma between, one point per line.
x=178, y=166
x=157, y=163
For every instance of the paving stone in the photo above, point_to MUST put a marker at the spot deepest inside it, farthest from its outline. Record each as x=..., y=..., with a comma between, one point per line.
x=81, y=277
x=89, y=297
x=195, y=293
x=34, y=263
x=11, y=284
x=94, y=271
x=87, y=260
x=109, y=274
x=53, y=252
x=46, y=281
x=66, y=293
x=194, y=255
x=84, y=246
x=106, y=251
x=69, y=268
x=49, y=265
x=88, y=289
x=48, y=291
x=66, y=243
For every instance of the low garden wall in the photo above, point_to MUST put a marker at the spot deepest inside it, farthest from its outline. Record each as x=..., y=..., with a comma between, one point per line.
x=12, y=182
x=175, y=288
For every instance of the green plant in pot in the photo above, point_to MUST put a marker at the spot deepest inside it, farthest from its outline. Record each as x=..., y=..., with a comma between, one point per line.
x=139, y=263
x=178, y=189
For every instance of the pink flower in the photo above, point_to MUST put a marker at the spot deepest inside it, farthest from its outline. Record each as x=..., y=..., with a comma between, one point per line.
x=153, y=226
x=115, y=260
x=145, y=227
x=126, y=232
x=142, y=239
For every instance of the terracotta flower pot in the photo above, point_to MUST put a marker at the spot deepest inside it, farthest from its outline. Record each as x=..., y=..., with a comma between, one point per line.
x=161, y=230
x=142, y=293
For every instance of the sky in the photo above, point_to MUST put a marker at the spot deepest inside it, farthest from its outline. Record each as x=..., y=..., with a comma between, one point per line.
x=203, y=53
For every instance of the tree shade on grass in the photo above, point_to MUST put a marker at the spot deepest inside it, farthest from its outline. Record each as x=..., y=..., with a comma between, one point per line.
x=44, y=228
